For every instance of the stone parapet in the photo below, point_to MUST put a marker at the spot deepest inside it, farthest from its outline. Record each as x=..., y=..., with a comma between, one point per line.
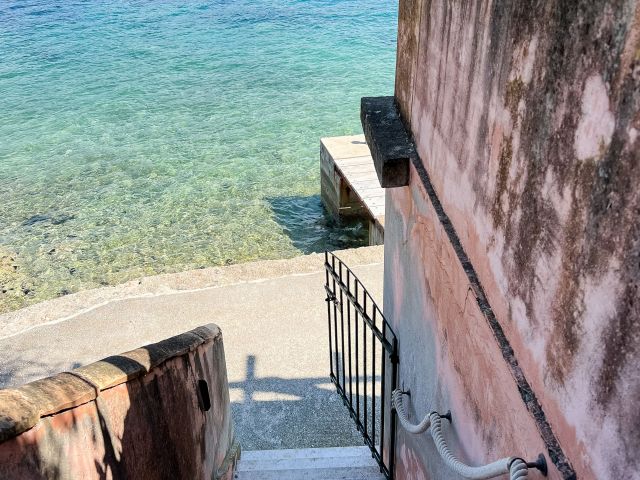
x=157, y=410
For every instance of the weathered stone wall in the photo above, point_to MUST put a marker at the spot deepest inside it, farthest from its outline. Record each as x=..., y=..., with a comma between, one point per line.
x=525, y=115
x=145, y=414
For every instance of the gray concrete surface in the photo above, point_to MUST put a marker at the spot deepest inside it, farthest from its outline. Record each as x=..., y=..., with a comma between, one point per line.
x=273, y=319
x=345, y=463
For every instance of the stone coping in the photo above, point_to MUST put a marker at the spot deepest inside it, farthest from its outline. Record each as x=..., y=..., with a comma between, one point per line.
x=21, y=408
x=389, y=142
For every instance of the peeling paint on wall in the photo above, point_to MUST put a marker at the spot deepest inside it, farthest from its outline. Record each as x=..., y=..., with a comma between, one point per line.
x=596, y=125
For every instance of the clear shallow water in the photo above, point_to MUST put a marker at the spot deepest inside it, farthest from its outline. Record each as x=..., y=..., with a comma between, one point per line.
x=143, y=137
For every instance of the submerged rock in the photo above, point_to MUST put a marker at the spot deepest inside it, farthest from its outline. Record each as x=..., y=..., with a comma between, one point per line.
x=35, y=219
x=11, y=282
x=7, y=262
x=53, y=219
x=60, y=219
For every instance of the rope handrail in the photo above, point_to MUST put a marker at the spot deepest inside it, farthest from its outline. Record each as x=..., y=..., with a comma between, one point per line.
x=514, y=466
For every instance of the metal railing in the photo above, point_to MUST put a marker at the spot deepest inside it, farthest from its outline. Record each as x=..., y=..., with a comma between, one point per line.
x=363, y=356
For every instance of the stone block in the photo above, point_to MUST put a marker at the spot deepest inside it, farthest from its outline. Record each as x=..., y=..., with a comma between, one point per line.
x=390, y=145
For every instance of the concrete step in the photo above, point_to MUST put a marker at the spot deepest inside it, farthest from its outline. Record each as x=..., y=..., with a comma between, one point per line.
x=344, y=463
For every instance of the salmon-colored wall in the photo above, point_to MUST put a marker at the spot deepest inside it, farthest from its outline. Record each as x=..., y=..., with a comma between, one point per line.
x=526, y=117
x=152, y=426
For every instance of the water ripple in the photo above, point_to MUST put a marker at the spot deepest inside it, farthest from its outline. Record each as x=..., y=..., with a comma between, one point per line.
x=173, y=135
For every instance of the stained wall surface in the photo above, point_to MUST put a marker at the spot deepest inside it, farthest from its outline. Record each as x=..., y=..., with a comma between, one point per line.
x=525, y=115
x=161, y=411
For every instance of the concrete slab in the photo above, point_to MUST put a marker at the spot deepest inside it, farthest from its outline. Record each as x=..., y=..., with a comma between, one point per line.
x=347, y=146
x=349, y=182
x=273, y=319
x=347, y=463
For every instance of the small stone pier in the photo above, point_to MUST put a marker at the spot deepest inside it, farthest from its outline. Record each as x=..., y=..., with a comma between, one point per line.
x=349, y=184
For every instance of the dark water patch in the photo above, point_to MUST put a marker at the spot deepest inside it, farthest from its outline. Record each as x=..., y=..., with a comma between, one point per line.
x=35, y=219
x=52, y=219
x=310, y=227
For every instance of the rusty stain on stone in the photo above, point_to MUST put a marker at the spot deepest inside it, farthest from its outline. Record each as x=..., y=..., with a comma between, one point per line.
x=513, y=95
x=506, y=153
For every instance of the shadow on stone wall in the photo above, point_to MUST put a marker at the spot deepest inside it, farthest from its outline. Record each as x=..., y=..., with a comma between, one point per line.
x=15, y=369
x=311, y=229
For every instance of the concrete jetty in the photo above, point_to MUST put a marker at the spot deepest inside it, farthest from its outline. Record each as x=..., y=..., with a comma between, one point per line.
x=349, y=184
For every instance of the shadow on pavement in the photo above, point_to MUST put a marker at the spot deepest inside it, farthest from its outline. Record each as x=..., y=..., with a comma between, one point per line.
x=274, y=413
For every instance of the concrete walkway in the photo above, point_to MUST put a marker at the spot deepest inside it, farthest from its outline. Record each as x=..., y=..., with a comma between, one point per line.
x=273, y=318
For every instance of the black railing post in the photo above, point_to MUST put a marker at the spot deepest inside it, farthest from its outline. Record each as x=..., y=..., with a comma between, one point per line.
x=364, y=359
x=383, y=391
x=349, y=340
x=357, y=357
x=328, y=300
x=335, y=320
x=392, y=427
x=373, y=380
x=344, y=382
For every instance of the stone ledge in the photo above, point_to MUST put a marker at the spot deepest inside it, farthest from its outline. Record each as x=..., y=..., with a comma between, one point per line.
x=21, y=408
x=389, y=142
x=68, y=306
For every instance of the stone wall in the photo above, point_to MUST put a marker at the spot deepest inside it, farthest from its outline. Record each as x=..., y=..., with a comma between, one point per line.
x=525, y=116
x=161, y=411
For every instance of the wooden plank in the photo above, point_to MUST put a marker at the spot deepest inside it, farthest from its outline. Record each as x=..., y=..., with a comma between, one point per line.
x=362, y=185
x=354, y=167
x=360, y=168
x=367, y=188
x=374, y=203
x=348, y=162
x=370, y=194
x=369, y=197
x=370, y=177
x=365, y=160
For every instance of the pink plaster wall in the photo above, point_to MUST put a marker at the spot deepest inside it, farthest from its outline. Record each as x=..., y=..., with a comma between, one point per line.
x=525, y=115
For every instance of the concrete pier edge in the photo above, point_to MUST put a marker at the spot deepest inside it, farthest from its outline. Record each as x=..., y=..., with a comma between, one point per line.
x=64, y=308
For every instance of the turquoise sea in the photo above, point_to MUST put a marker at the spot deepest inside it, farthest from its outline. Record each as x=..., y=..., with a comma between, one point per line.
x=140, y=137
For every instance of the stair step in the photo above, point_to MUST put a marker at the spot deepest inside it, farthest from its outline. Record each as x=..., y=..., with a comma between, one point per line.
x=307, y=463
x=348, y=463
x=298, y=453
x=364, y=473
